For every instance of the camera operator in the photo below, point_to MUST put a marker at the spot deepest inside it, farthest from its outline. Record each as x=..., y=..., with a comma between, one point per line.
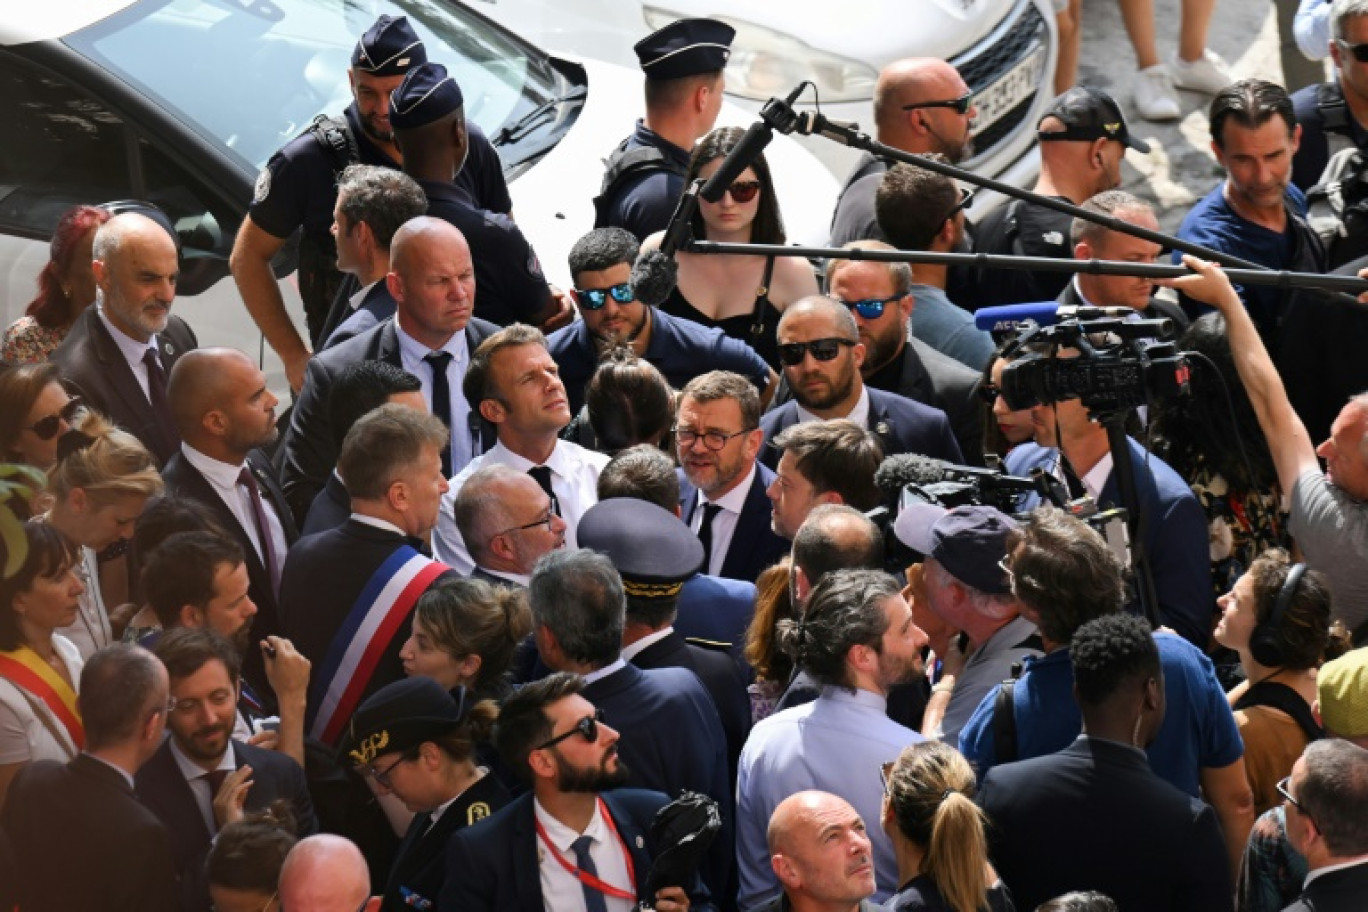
x=1171, y=524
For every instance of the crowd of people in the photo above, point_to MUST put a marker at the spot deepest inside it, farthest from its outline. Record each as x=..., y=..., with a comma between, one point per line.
x=542, y=599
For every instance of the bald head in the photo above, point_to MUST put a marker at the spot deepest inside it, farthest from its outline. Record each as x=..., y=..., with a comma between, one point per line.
x=820, y=851
x=421, y=237
x=220, y=403
x=821, y=305
x=136, y=267
x=129, y=229
x=918, y=80
x=324, y=873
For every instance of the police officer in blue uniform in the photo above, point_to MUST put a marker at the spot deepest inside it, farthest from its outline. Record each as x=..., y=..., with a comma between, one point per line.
x=428, y=116
x=683, y=64
x=297, y=190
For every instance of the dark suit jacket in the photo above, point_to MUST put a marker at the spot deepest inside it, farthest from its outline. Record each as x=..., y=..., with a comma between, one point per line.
x=1339, y=891
x=90, y=358
x=162, y=788
x=83, y=843
x=903, y=426
x=672, y=739
x=937, y=380
x=718, y=609
x=754, y=545
x=309, y=453
x=330, y=507
x=1113, y=826
x=184, y=480
x=493, y=867
x=343, y=323
x=1158, y=308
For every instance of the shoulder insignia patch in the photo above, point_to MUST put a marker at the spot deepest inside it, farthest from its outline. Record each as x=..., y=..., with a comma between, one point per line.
x=477, y=811
x=263, y=186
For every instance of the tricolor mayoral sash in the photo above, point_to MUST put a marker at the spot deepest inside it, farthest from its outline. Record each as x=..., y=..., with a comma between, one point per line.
x=49, y=694
x=366, y=633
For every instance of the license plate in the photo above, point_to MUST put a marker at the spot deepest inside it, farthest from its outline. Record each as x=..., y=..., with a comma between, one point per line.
x=1015, y=86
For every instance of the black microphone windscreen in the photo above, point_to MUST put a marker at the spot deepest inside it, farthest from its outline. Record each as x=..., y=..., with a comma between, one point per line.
x=653, y=277
x=898, y=471
x=741, y=157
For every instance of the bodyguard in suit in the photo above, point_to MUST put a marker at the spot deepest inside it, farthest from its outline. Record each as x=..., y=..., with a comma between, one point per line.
x=81, y=840
x=721, y=483
x=201, y=779
x=1326, y=802
x=431, y=336
x=822, y=356
x=879, y=297
x=1115, y=826
x=120, y=352
x=672, y=738
x=822, y=462
x=577, y=839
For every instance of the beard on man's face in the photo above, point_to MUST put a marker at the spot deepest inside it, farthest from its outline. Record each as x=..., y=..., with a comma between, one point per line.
x=610, y=774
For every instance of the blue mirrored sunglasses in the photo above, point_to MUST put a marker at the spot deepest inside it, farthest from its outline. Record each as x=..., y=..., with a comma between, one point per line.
x=870, y=308
x=595, y=298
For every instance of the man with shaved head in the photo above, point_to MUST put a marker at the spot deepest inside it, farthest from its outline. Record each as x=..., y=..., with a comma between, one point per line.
x=921, y=105
x=431, y=335
x=821, y=854
x=507, y=522
x=821, y=354
x=120, y=351
x=224, y=414
x=326, y=873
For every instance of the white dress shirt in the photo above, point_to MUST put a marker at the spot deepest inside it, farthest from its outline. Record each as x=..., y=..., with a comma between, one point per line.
x=411, y=355
x=632, y=650
x=132, y=350
x=724, y=523
x=574, y=478
x=199, y=786
x=354, y=302
x=223, y=478
x=561, y=890
x=859, y=413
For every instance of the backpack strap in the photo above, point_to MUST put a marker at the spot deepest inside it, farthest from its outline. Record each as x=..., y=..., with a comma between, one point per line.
x=1005, y=748
x=335, y=136
x=629, y=163
x=1280, y=696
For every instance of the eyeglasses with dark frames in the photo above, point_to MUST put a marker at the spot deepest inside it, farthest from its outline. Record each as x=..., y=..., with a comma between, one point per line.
x=959, y=105
x=965, y=201
x=48, y=427
x=1284, y=789
x=597, y=298
x=552, y=512
x=586, y=727
x=712, y=440
x=383, y=776
x=792, y=353
x=1358, y=51
x=871, y=308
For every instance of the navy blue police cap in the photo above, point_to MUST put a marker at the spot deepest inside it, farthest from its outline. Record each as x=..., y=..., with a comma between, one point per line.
x=400, y=716
x=427, y=94
x=390, y=47
x=653, y=550
x=685, y=47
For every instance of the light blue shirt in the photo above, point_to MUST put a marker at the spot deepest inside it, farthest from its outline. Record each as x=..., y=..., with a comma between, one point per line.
x=836, y=744
x=464, y=441
x=949, y=329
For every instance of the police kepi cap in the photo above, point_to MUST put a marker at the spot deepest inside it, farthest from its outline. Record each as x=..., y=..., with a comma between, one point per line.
x=390, y=47
x=685, y=47
x=969, y=542
x=426, y=94
x=401, y=716
x=653, y=550
x=1089, y=114
x=1342, y=688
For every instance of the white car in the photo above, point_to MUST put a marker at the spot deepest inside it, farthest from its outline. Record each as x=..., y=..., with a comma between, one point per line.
x=1004, y=49
x=181, y=103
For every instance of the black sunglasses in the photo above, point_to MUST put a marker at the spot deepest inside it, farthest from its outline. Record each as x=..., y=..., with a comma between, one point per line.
x=965, y=201
x=596, y=298
x=1358, y=51
x=1284, y=783
x=47, y=428
x=959, y=105
x=587, y=727
x=791, y=353
x=988, y=393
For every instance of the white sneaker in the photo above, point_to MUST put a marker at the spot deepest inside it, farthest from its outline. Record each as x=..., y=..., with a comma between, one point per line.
x=1208, y=75
x=1155, y=96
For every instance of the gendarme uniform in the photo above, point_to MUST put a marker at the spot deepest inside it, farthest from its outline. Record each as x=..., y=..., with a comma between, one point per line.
x=644, y=175
x=509, y=284
x=298, y=187
x=398, y=718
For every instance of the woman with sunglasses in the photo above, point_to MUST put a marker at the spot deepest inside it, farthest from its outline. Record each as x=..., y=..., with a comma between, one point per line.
x=414, y=740
x=40, y=670
x=1003, y=428
x=938, y=834
x=66, y=286
x=741, y=295
x=465, y=633
x=100, y=484
x=35, y=410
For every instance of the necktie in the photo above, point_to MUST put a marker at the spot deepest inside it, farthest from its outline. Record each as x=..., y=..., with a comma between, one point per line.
x=441, y=397
x=268, y=555
x=156, y=397
x=542, y=474
x=593, y=899
x=710, y=511
x=1072, y=481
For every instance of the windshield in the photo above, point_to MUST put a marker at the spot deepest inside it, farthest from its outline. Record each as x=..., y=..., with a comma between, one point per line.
x=252, y=74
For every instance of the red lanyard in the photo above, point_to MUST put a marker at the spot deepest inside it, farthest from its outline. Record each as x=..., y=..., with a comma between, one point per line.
x=592, y=880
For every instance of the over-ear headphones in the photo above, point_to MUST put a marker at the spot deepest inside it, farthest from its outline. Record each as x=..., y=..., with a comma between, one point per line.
x=1265, y=641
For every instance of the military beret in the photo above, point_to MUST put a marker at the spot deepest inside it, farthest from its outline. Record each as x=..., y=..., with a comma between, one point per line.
x=653, y=550
x=427, y=94
x=685, y=47
x=401, y=716
x=390, y=47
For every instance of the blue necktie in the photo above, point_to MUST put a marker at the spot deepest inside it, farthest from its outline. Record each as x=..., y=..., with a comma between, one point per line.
x=593, y=899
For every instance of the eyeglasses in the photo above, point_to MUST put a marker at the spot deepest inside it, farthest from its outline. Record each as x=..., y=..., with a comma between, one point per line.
x=886, y=773
x=965, y=201
x=383, y=776
x=791, y=353
x=47, y=428
x=596, y=298
x=1358, y=51
x=552, y=512
x=989, y=392
x=1286, y=781
x=1007, y=569
x=587, y=727
x=867, y=308
x=744, y=191
x=713, y=440
x=959, y=105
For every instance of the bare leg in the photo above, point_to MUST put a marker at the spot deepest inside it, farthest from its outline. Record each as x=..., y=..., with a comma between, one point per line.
x=1139, y=18
x=1070, y=23
x=1193, y=31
